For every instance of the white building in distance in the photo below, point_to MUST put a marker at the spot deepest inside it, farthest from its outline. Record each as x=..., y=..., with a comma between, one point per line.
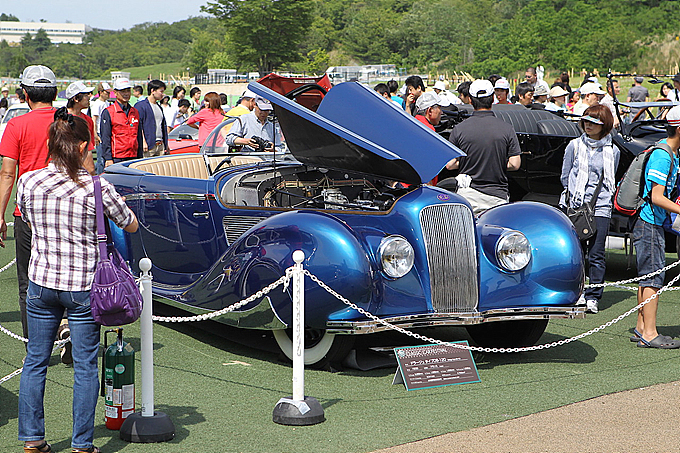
x=12, y=32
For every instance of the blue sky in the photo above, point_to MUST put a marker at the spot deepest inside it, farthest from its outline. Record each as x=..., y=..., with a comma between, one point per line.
x=101, y=14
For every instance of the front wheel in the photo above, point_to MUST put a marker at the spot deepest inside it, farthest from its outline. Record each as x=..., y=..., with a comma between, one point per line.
x=321, y=348
x=508, y=334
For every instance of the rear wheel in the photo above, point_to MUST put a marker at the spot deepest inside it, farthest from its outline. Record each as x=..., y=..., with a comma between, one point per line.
x=321, y=348
x=508, y=334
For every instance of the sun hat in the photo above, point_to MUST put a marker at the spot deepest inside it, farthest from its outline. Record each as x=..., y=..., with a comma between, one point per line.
x=591, y=88
x=481, y=88
x=591, y=119
x=77, y=87
x=38, y=76
x=263, y=104
x=121, y=84
x=558, y=91
x=502, y=84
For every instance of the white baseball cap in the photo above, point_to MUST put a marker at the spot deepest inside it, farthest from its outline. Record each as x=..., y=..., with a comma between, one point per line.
x=121, y=84
x=263, y=104
x=540, y=90
x=503, y=84
x=427, y=100
x=38, y=76
x=481, y=88
x=77, y=87
x=439, y=85
x=591, y=88
x=673, y=116
x=249, y=94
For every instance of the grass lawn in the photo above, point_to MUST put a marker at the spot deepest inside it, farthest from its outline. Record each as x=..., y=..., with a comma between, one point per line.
x=219, y=385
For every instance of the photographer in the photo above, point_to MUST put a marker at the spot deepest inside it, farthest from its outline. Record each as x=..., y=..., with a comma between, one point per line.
x=253, y=130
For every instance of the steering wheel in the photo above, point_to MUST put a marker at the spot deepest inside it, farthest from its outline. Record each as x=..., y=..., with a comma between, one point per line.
x=226, y=160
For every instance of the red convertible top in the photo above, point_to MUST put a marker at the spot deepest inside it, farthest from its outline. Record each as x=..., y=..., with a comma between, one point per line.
x=307, y=91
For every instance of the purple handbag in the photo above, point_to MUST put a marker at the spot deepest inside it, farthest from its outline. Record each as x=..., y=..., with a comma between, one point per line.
x=115, y=299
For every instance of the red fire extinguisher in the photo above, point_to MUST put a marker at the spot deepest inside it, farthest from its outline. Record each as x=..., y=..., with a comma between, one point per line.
x=118, y=380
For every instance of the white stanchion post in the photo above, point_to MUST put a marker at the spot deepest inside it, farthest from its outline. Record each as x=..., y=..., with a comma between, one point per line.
x=298, y=327
x=146, y=332
x=299, y=409
x=148, y=425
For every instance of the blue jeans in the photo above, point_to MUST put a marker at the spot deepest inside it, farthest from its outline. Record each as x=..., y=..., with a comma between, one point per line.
x=45, y=308
x=596, y=258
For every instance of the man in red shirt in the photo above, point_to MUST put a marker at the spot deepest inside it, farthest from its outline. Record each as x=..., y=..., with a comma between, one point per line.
x=120, y=131
x=429, y=109
x=24, y=148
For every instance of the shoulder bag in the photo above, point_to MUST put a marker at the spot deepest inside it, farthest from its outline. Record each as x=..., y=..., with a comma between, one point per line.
x=115, y=299
x=583, y=217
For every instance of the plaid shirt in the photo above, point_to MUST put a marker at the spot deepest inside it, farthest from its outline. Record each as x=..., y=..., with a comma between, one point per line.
x=64, y=251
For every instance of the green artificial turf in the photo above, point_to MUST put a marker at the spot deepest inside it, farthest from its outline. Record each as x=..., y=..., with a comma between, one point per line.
x=220, y=393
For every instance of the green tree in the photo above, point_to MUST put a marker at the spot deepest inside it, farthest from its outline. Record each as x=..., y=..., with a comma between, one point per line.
x=9, y=18
x=263, y=33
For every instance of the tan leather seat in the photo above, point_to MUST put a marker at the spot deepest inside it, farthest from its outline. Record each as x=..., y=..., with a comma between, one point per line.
x=187, y=165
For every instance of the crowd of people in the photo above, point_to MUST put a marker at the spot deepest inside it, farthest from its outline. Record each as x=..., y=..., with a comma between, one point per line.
x=48, y=153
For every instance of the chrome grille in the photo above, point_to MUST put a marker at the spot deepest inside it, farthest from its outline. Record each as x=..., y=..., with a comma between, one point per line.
x=449, y=234
x=236, y=225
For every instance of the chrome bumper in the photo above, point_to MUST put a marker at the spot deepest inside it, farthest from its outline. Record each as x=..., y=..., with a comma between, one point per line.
x=455, y=319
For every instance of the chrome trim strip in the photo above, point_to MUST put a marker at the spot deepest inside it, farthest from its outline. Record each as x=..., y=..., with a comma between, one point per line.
x=455, y=319
x=170, y=196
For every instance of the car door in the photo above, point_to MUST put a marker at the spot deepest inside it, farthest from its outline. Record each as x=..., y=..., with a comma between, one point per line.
x=177, y=231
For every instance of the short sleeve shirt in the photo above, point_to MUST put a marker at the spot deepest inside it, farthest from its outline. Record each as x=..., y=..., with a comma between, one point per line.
x=638, y=93
x=488, y=142
x=663, y=171
x=207, y=121
x=25, y=140
x=64, y=251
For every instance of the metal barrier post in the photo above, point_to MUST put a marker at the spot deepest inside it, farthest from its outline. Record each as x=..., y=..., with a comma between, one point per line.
x=148, y=425
x=299, y=409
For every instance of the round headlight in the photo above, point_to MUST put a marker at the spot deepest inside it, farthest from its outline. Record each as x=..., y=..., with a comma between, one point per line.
x=513, y=251
x=396, y=256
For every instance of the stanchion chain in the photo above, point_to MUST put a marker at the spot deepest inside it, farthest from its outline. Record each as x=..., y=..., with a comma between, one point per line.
x=477, y=348
x=284, y=280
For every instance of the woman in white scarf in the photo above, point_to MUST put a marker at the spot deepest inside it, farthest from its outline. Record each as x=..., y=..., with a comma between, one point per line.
x=587, y=159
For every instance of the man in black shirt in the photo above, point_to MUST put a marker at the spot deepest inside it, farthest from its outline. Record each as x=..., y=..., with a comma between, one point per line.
x=492, y=149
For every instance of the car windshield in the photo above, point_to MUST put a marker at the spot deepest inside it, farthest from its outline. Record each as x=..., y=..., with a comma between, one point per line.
x=183, y=132
x=13, y=113
x=215, y=143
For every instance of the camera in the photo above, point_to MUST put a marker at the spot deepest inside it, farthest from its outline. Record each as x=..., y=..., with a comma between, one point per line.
x=261, y=143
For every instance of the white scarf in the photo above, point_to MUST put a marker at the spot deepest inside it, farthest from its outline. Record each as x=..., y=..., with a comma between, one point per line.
x=582, y=146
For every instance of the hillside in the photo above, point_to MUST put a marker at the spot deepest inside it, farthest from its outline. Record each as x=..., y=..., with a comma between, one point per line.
x=477, y=36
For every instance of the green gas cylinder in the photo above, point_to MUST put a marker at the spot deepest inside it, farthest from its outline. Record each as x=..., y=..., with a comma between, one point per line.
x=118, y=380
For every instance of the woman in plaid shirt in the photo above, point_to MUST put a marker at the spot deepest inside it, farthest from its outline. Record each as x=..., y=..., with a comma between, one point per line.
x=58, y=203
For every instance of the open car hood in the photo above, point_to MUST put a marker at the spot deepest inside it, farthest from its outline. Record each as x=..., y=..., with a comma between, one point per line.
x=356, y=129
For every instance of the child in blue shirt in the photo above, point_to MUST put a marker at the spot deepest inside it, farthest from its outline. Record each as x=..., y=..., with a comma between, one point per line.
x=661, y=175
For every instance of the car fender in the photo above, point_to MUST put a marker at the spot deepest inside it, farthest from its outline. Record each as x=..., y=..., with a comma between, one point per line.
x=262, y=254
x=555, y=273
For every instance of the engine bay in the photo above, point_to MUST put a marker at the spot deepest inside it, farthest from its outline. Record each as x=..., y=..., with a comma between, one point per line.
x=303, y=187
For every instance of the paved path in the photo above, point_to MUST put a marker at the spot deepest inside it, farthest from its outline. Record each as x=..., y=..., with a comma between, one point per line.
x=641, y=420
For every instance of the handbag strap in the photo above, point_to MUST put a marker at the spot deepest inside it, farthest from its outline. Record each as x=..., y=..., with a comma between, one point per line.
x=102, y=236
x=593, y=199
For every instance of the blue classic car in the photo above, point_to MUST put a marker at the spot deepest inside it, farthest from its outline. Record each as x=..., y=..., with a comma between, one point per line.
x=219, y=226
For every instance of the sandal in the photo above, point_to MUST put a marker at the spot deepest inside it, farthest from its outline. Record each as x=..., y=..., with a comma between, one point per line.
x=42, y=448
x=92, y=449
x=660, y=342
x=636, y=336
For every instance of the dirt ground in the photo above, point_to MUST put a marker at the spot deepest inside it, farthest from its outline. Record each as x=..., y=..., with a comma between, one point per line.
x=641, y=420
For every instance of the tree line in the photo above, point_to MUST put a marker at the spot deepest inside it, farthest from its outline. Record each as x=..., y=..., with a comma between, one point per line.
x=476, y=36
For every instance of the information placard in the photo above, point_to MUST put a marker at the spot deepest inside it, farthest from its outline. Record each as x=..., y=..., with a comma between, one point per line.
x=434, y=365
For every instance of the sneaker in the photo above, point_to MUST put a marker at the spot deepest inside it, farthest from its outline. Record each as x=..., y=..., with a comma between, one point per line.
x=63, y=333
x=591, y=306
x=581, y=301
